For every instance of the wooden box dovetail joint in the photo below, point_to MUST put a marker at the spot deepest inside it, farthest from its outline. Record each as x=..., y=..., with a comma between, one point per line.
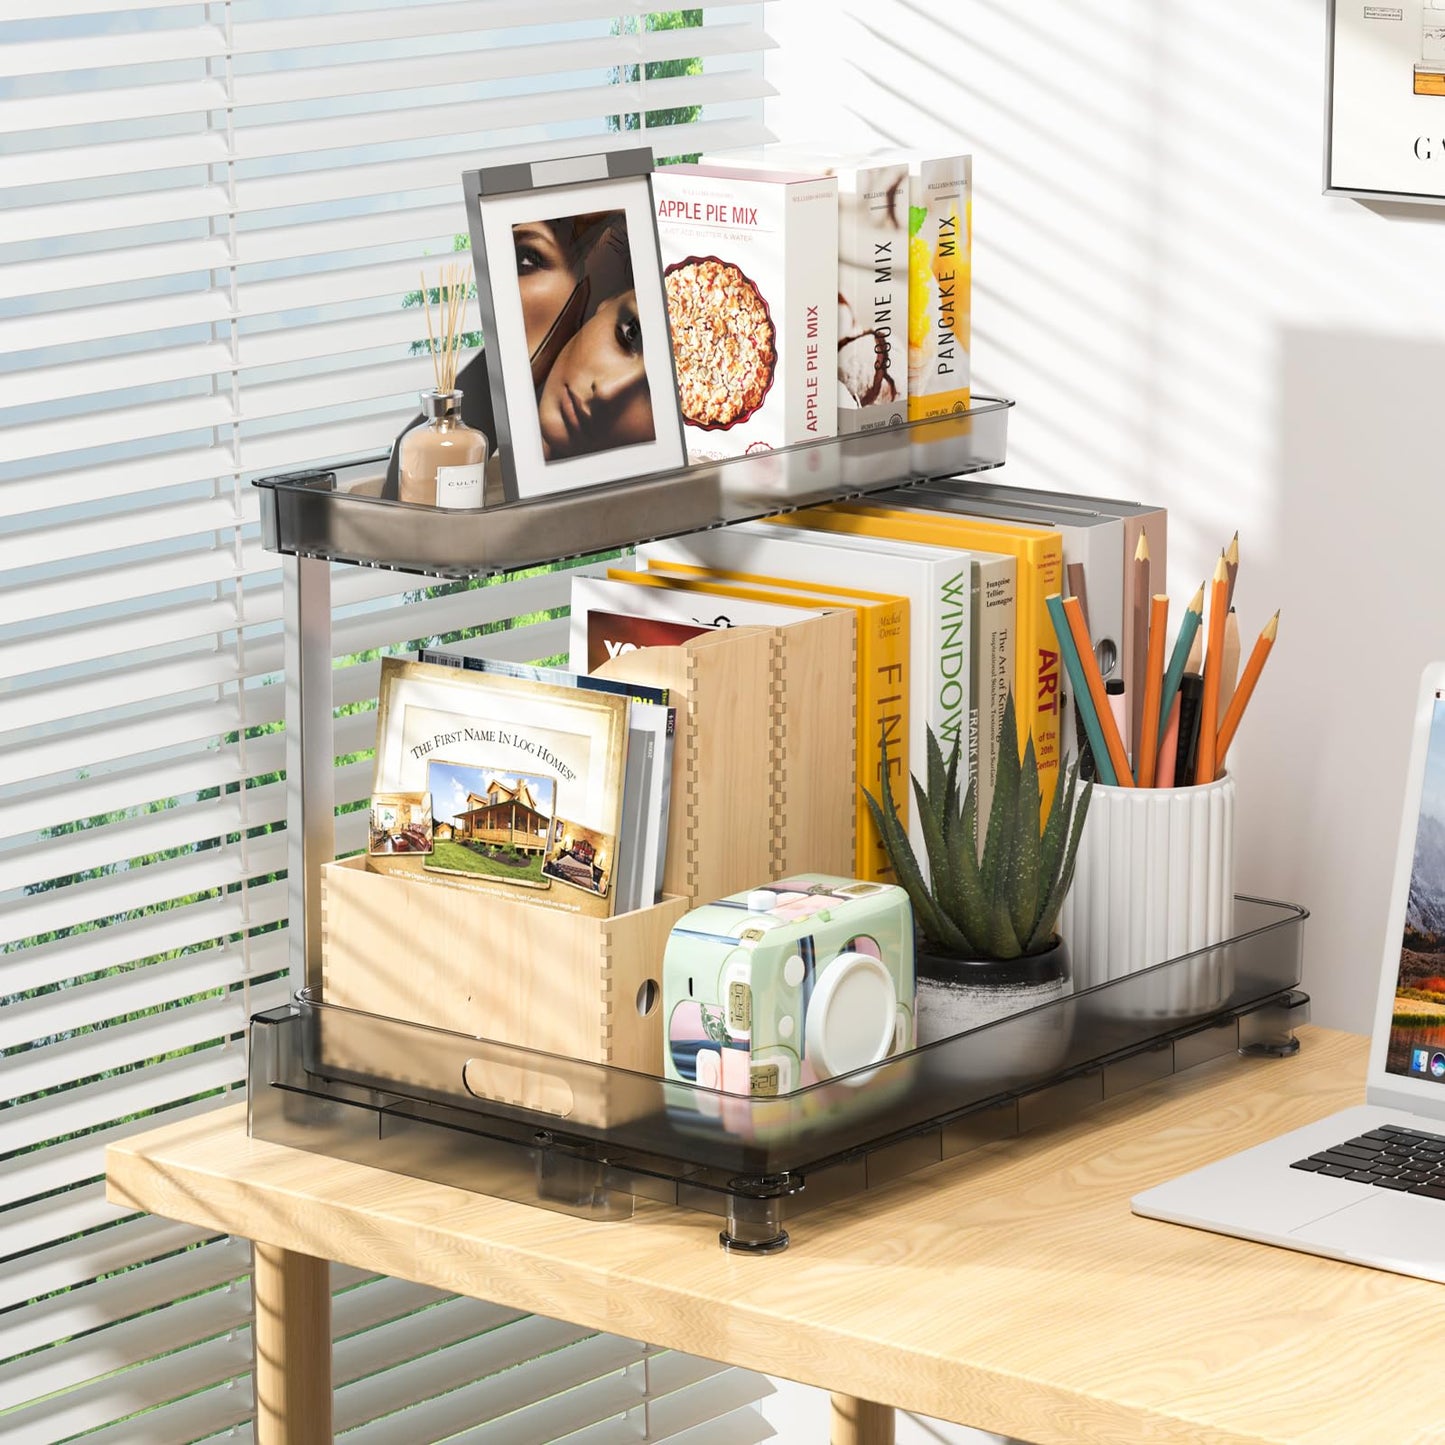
x=435, y=952
x=762, y=778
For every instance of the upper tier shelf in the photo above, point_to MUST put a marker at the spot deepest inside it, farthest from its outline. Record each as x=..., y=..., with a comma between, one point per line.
x=338, y=514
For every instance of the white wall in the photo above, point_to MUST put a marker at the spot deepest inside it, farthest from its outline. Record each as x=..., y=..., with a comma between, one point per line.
x=1183, y=317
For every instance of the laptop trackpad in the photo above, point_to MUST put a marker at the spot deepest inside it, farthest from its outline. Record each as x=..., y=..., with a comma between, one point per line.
x=1397, y=1231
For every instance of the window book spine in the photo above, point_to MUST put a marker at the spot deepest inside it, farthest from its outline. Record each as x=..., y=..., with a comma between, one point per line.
x=882, y=683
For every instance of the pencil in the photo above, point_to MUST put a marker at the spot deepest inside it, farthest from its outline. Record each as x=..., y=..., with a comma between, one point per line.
x=1146, y=755
x=1181, y=659
x=1213, y=670
x=1074, y=573
x=1139, y=662
x=1240, y=700
x=1083, y=700
x=1229, y=676
x=1113, y=744
x=1168, y=750
x=1231, y=567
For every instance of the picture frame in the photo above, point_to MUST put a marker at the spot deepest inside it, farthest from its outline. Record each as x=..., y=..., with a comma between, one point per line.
x=1385, y=101
x=574, y=316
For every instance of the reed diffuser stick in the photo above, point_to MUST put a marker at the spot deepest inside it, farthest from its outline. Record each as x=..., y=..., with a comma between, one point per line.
x=452, y=288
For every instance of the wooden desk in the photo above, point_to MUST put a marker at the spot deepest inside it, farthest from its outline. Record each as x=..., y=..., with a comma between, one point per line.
x=1010, y=1289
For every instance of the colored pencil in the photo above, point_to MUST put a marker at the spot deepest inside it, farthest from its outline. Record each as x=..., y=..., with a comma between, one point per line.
x=1240, y=700
x=1074, y=574
x=1114, y=745
x=1180, y=659
x=1138, y=672
x=1213, y=671
x=1082, y=698
x=1168, y=750
x=1229, y=676
x=1231, y=567
x=1146, y=755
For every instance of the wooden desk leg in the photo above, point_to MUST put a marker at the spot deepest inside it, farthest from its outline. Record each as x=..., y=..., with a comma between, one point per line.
x=292, y=1294
x=861, y=1422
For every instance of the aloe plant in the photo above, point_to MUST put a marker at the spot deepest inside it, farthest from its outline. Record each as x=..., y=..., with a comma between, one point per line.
x=1003, y=903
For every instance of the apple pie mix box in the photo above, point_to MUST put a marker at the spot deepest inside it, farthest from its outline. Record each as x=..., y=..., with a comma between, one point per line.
x=750, y=260
x=873, y=200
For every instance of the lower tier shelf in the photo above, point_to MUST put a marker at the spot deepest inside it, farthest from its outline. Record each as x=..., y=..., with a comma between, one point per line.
x=593, y=1140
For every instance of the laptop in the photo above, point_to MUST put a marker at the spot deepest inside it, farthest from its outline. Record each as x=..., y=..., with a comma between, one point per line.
x=1365, y=1185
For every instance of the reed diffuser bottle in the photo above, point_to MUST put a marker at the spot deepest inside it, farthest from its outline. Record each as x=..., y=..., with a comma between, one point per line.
x=442, y=463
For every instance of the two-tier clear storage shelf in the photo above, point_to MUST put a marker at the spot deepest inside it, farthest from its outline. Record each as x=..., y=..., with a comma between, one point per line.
x=595, y=1140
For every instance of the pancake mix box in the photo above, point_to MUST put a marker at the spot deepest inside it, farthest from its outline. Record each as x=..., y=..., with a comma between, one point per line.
x=750, y=261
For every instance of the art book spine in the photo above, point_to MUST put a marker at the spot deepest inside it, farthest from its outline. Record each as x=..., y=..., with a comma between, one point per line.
x=1040, y=557
x=882, y=692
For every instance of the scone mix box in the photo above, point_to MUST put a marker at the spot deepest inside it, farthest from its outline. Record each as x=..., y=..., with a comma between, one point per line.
x=749, y=263
x=873, y=200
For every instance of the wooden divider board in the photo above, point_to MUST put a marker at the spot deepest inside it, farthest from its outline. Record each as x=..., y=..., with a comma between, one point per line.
x=762, y=774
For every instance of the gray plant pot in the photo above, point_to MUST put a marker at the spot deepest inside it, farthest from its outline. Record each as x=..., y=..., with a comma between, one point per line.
x=959, y=994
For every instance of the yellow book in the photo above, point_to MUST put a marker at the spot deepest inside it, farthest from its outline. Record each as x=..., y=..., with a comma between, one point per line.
x=882, y=681
x=1040, y=554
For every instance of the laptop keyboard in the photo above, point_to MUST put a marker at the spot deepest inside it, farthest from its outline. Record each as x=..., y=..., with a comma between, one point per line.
x=1390, y=1157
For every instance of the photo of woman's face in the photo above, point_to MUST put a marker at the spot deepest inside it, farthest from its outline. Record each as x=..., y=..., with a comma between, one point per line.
x=596, y=395
x=584, y=336
x=546, y=277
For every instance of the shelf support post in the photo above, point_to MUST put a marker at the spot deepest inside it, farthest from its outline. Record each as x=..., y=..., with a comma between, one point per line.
x=310, y=756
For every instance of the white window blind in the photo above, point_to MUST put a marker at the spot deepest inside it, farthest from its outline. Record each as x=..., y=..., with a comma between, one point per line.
x=211, y=219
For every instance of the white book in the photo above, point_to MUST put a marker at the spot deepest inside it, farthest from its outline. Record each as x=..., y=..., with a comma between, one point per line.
x=961, y=620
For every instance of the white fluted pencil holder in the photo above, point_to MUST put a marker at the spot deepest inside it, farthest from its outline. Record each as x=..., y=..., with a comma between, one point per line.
x=1154, y=880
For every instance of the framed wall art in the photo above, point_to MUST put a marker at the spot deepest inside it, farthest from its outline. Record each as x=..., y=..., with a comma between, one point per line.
x=569, y=285
x=1385, y=101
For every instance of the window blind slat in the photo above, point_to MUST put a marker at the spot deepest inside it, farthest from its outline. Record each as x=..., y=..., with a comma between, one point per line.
x=72, y=1263
x=123, y=1296
x=169, y=1328
x=54, y=1066
x=110, y=480
x=593, y=103
x=463, y=64
x=121, y=944
x=107, y=107
x=121, y=263
x=117, y=373
x=47, y=545
x=86, y=324
x=264, y=35
x=112, y=428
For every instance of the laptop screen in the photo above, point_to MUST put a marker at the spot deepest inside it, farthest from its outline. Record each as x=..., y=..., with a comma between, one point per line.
x=1417, y=1029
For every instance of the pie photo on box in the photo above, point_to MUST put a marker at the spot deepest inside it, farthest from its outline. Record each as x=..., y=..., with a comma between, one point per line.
x=723, y=341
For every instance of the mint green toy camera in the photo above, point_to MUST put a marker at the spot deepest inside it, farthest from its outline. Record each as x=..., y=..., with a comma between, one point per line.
x=784, y=986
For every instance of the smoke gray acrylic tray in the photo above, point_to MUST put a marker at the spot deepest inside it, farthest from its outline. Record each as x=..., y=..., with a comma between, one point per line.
x=592, y=1140
x=336, y=513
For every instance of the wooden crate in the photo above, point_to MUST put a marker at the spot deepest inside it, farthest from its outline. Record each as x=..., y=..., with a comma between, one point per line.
x=438, y=952
x=762, y=776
